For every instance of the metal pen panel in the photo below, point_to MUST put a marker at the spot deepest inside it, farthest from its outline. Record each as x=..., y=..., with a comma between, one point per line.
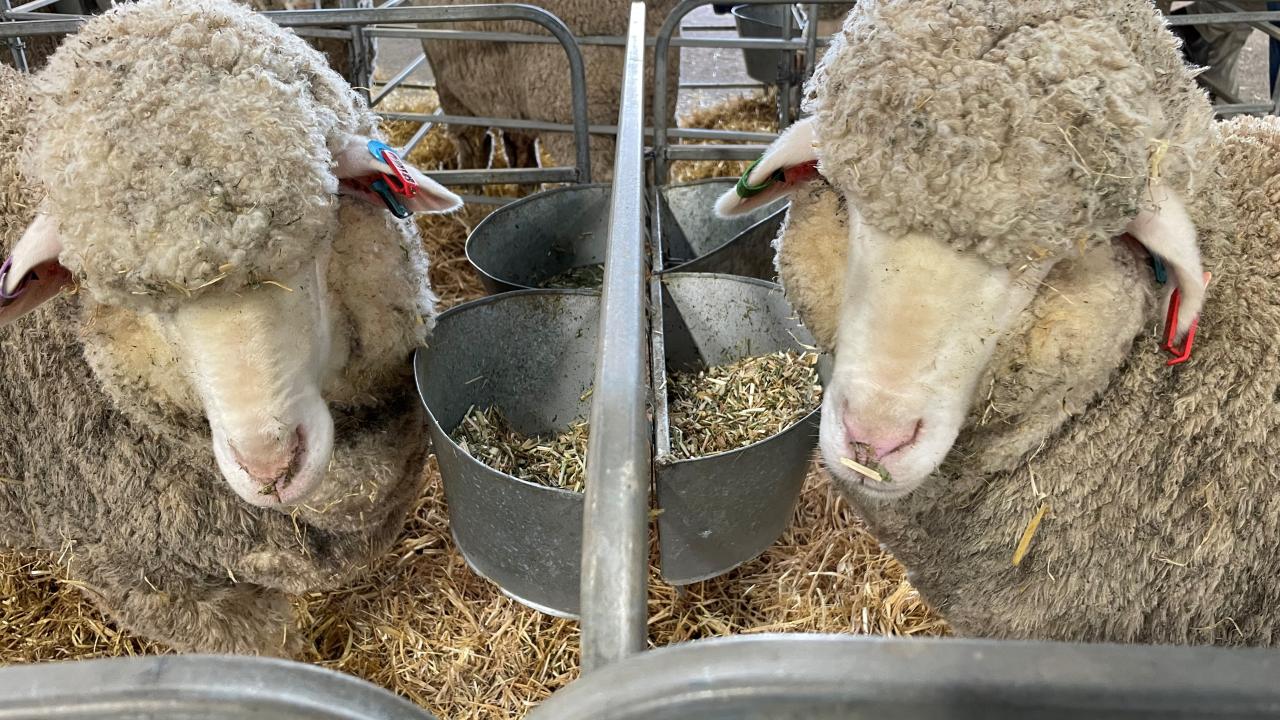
x=619, y=452
x=662, y=47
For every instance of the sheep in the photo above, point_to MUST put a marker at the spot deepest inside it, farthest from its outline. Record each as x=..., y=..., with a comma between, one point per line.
x=222, y=410
x=981, y=206
x=530, y=82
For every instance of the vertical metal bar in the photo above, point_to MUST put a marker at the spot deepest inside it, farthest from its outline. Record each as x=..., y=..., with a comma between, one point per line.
x=619, y=453
x=810, y=47
x=16, y=45
x=361, y=73
x=786, y=73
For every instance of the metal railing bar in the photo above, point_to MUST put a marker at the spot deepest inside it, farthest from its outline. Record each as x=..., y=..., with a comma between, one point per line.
x=399, y=77
x=619, y=452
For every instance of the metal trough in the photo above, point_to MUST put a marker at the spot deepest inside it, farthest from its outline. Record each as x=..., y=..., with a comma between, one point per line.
x=719, y=511
x=193, y=687
x=695, y=240
x=532, y=354
x=797, y=677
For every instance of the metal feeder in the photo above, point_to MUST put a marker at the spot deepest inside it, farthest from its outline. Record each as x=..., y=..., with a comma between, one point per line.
x=695, y=240
x=765, y=22
x=524, y=244
x=722, y=510
x=532, y=354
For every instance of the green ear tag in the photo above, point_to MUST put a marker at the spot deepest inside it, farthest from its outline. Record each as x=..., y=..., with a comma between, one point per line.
x=746, y=190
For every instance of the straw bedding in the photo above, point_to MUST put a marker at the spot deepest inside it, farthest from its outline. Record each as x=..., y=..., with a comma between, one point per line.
x=425, y=626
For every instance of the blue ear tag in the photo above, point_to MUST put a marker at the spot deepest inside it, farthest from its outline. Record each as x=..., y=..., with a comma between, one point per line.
x=1157, y=266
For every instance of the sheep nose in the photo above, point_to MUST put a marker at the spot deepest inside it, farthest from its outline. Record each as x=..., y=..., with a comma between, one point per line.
x=881, y=440
x=269, y=459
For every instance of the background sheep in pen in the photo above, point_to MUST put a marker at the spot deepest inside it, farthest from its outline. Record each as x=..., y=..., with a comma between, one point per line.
x=531, y=82
x=223, y=289
x=979, y=263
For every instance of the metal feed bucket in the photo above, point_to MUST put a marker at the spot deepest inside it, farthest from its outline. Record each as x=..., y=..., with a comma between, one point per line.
x=719, y=511
x=695, y=240
x=525, y=244
x=532, y=354
x=528, y=242
x=765, y=21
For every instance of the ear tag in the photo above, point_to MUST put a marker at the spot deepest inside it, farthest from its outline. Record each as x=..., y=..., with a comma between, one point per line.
x=401, y=181
x=1180, y=354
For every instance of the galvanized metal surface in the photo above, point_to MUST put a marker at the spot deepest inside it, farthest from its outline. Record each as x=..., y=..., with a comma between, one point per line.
x=532, y=354
x=722, y=510
x=615, y=538
x=193, y=687
x=765, y=21
x=799, y=677
x=529, y=241
x=695, y=240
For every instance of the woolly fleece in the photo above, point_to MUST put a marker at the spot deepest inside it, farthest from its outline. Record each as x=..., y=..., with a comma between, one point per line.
x=152, y=212
x=1019, y=129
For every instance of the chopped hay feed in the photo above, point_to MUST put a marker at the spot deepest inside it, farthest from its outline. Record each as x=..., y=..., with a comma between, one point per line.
x=557, y=461
x=731, y=406
x=577, y=278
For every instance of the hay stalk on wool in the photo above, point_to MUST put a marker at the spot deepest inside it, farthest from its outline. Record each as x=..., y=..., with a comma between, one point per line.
x=1024, y=543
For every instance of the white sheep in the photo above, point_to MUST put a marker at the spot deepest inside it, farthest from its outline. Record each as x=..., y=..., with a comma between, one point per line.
x=222, y=412
x=994, y=180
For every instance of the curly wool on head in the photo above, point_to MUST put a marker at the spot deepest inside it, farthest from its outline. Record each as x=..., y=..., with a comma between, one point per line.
x=988, y=124
x=245, y=197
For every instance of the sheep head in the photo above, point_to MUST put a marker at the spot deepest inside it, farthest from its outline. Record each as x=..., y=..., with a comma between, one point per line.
x=218, y=235
x=978, y=162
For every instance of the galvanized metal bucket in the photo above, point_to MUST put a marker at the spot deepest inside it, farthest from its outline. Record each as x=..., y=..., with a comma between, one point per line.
x=532, y=354
x=530, y=242
x=765, y=22
x=524, y=244
x=722, y=510
x=695, y=240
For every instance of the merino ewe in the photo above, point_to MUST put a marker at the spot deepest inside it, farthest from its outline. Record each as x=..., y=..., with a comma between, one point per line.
x=531, y=82
x=968, y=252
x=223, y=410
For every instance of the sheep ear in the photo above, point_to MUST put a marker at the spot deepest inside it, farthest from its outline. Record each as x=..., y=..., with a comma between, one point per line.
x=790, y=161
x=357, y=168
x=32, y=275
x=1168, y=233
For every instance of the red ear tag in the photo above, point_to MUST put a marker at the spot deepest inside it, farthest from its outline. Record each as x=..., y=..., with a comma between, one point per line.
x=1180, y=354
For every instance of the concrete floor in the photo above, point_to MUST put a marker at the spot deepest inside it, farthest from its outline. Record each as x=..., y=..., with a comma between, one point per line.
x=700, y=65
